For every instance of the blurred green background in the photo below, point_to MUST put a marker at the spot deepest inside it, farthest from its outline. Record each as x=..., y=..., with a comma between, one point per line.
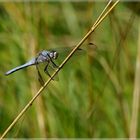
x=93, y=97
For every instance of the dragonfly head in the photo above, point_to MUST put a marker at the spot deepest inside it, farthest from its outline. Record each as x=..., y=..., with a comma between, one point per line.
x=53, y=54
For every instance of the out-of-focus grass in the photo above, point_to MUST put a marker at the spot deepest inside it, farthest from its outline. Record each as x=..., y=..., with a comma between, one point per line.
x=94, y=93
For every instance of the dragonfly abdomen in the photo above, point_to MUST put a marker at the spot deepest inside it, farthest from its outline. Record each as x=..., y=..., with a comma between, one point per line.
x=30, y=63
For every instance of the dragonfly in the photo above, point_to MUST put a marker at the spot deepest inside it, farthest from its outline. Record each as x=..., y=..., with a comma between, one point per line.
x=42, y=57
x=45, y=56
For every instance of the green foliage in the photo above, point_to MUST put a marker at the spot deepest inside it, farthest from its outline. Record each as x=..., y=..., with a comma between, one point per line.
x=93, y=96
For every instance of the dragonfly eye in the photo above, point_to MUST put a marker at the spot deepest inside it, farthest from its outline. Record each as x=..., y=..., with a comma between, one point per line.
x=55, y=55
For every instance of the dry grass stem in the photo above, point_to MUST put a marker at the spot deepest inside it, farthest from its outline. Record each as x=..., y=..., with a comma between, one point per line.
x=136, y=94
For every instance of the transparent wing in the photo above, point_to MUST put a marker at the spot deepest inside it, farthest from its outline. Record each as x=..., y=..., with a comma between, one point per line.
x=64, y=51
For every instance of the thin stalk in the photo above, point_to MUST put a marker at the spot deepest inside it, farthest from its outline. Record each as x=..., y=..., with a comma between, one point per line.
x=123, y=33
x=136, y=95
x=99, y=17
x=95, y=25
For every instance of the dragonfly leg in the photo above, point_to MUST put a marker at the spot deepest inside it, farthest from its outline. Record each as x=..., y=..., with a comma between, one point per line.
x=46, y=70
x=54, y=65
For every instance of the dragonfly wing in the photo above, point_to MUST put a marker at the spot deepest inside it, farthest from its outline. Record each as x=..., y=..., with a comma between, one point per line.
x=40, y=78
x=64, y=51
x=29, y=63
